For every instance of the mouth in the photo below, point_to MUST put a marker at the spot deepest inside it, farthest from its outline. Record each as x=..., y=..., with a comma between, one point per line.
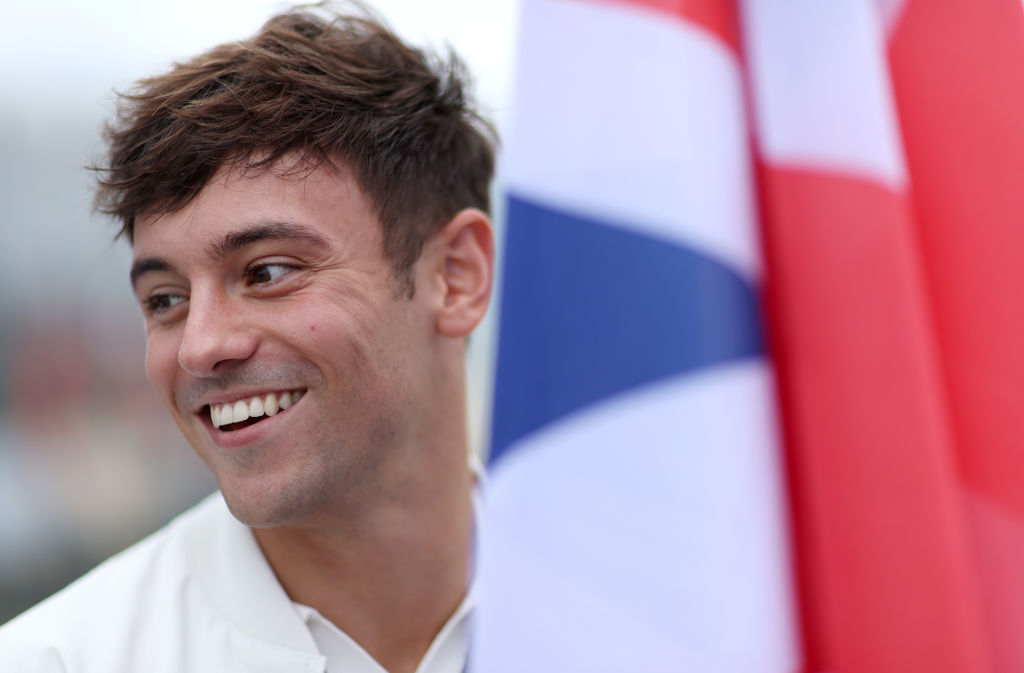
x=233, y=416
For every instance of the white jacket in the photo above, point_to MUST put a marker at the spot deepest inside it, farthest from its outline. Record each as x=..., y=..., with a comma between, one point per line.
x=196, y=597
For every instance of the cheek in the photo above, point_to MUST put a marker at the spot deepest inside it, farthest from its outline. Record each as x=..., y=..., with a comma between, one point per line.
x=330, y=320
x=161, y=361
x=342, y=341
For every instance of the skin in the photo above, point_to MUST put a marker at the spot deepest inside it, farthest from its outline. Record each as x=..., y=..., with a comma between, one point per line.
x=359, y=494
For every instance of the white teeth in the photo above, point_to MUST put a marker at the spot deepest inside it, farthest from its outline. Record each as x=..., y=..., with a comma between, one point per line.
x=254, y=407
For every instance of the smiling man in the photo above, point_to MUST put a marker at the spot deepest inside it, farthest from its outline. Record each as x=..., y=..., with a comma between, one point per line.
x=307, y=211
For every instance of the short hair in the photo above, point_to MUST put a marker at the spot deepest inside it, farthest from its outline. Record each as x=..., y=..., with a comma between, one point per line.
x=318, y=86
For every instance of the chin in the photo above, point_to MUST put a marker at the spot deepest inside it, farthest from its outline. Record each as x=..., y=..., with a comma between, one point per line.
x=266, y=505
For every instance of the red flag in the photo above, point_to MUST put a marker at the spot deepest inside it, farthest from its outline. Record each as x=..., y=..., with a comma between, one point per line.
x=958, y=74
x=891, y=154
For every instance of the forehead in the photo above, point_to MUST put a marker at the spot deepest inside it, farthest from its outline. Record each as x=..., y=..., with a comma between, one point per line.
x=325, y=200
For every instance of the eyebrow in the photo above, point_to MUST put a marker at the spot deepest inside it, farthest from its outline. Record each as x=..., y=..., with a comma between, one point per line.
x=276, y=230
x=145, y=265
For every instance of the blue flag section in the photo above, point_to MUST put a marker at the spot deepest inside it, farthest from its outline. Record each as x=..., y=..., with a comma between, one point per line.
x=591, y=310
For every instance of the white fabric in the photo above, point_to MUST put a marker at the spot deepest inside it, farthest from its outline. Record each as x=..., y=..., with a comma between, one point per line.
x=636, y=120
x=196, y=596
x=651, y=527
x=447, y=654
x=822, y=99
x=890, y=12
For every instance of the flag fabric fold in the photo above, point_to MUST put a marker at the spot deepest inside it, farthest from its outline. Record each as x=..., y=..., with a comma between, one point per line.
x=757, y=363
x=635, y=463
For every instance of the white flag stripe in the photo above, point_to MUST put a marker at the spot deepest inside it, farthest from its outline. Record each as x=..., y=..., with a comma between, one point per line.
x=535, y=632
x=890, y=12
x=677, y=528
x=822, y=96
x=637, y=119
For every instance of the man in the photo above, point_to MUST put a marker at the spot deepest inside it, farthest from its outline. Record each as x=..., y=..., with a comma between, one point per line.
x=307, y=210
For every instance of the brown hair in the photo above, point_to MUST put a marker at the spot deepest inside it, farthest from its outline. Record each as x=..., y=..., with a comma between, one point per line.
x=318, y=86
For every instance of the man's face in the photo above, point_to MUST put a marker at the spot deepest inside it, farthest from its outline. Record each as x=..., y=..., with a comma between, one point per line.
x=267, y=288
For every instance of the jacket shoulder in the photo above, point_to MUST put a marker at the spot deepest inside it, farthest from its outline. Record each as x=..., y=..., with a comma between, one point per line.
x=101, y=614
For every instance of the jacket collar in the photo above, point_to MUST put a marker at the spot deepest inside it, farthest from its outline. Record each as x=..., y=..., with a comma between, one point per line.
x=228, y=563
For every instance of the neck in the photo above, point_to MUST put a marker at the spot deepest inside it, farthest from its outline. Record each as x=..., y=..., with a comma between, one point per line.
x=389, y=579
x=387, y=561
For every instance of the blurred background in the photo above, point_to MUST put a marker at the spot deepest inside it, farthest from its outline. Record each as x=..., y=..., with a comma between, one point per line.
x=89, y=460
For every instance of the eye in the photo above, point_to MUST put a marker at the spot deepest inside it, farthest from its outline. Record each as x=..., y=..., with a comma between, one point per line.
x=264, y=274
x=157, y=304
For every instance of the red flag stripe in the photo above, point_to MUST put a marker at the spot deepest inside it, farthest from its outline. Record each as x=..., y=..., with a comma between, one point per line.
x=960, y=95
x=881, y=547
x=717, y=17
x=960, y=92
x=998, y=539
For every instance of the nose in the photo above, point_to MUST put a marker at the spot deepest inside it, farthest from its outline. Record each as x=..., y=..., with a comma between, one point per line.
x=216, y=334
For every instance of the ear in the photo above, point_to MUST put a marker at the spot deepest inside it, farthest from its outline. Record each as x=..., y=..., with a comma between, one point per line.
x=467, y=249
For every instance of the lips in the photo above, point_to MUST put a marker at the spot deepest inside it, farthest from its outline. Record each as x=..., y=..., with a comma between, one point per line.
x=231, y=416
